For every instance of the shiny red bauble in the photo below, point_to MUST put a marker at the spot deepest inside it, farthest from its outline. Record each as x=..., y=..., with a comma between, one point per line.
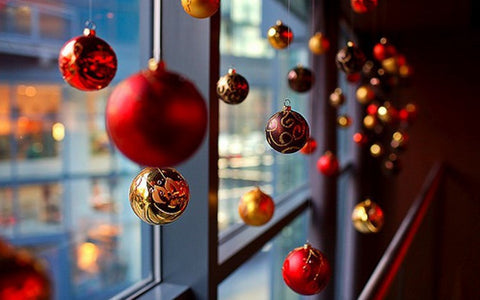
x=156, y=118
x=384, y=50
x=300, y=79
x=327, y=164
x=310, y=146
x=287, y=131
x=306, y=270
x=363, y=6
x=22, y=276
x=360, y=138
x=87, y=62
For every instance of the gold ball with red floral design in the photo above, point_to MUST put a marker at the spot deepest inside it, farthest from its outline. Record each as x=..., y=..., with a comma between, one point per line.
x=159, y=195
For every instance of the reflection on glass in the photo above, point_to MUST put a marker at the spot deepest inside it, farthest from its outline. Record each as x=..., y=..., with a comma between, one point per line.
x=260, y=278
x=63, y=187
x=245, y=159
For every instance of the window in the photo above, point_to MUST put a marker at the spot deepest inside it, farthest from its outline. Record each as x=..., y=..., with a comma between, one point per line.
x=54, y=147
x=62, y=184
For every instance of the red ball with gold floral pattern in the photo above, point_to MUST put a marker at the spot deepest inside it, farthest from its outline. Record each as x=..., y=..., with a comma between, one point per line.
x=306, y=270
x=87, y=62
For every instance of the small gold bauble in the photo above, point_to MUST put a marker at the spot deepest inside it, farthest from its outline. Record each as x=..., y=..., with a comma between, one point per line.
x=344, y=121
x=256, y=208
x=367, y=217
x=159, y=195
x=337, y=98
x=201, y=8
x=318, y=44
x=369, y=122
x=280, y=35
x=364, y=94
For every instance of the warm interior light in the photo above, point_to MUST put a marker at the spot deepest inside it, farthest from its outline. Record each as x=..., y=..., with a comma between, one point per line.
x=58, y=131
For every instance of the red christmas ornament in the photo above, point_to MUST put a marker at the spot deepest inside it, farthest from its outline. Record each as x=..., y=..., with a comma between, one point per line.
x=372, y=109
x=350, y=59
x=87, y=62
x=310, y=146
x=306, y=270
x=408, y=113
x=360, y=138
x=327, y=164
x=287, y=131
x=22, y=276
x=300, y=79
x=363, y=6
x=384, y=50
x=156, y=117
x=232, y=88
x=353, y=77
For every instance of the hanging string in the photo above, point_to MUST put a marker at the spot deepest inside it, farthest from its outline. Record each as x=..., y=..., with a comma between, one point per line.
x=90, y=10
x=290, y=45
x=157, y=32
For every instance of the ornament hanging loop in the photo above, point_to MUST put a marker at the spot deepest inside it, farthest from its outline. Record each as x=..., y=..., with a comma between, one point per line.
x=89, y=24
x=286, y=102
x=89, y=29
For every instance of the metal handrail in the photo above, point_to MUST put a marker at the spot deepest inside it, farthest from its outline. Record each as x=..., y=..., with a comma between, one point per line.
x=379, y=282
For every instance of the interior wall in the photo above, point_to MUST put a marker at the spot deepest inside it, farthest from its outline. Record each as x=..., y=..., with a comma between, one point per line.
x=441, y=263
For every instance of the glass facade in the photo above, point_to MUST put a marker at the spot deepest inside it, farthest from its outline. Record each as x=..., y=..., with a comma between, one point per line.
x=260, y=278
x=245, y=158
x=63, y=187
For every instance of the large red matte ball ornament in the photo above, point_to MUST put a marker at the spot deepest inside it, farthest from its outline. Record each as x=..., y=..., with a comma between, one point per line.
x=200, y=8
x=327, y=164
x=287, y=131
x=87, y=62
x=363, y=6
x=350, y=59
x=300, y=79
x=384, y=50
x=156, y=117
x=306, y=270
x=22, y=276
x=310, y=146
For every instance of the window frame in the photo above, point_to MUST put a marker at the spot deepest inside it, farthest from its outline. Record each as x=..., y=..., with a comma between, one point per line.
x=224, y=256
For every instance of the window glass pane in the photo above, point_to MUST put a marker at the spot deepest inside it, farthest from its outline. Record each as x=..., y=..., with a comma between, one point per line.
x=261, y=276
x=63, y=186
x=246, y=160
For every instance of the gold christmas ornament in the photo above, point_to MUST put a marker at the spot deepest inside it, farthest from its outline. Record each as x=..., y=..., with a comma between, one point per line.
x=318, y=44
x=256, y=208
x=159, y=195
x=376, y=150
x=280, y=35
x=369, y=122
x=387, y=113
x=344, y=121
x=367, y=217
x=337, y=98
x=201, y=8
x=365, y=94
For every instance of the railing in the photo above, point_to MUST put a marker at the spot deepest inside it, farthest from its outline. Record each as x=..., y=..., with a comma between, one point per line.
x=379, y=283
